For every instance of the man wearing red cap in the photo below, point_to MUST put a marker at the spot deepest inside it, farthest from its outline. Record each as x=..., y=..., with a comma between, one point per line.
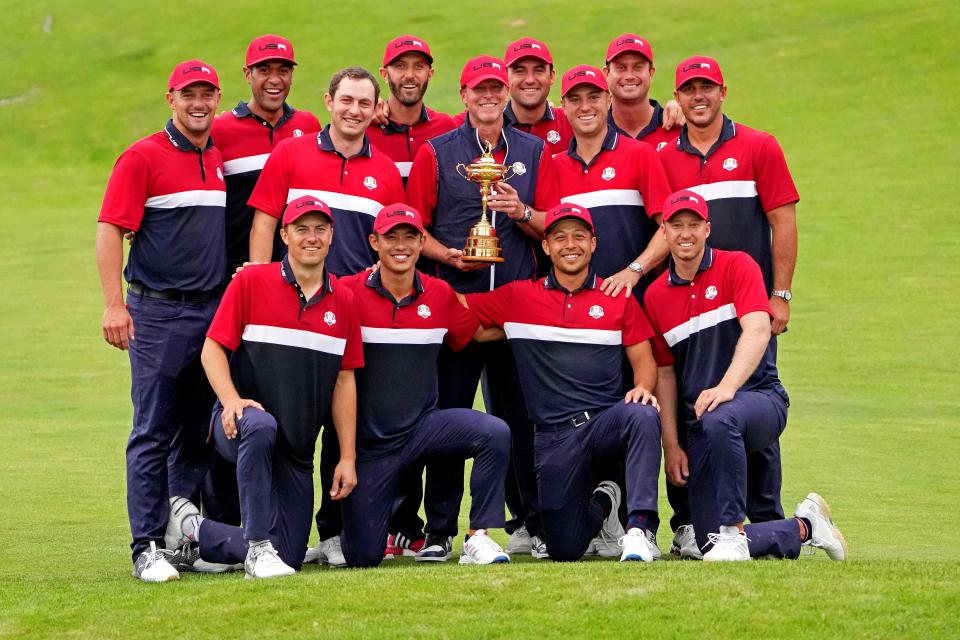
x=405, y=316
x=629, y=69
x=407, y=69
x=713, y=322
x=169, y=189
x=450, y=206
x=742, y=173
x=279, y=354
x=568, y=339
x=247, y=134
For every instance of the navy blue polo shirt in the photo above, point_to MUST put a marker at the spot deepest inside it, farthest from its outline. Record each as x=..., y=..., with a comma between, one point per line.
x=568, y=344
x=354, y=188
x=245, y=140
x=401, y=342
x=288, y=350
x=698, y=322
x=743, y=176
x=624, y=186
x=172, y=194
x=451, y=205
x=402, y=142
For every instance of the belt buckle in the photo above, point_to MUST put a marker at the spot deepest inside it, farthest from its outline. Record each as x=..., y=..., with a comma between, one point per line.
x=580, y=420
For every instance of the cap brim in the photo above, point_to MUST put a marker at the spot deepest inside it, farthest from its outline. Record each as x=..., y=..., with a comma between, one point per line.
x=601, y=86
x=187, y=83
x=585, y=223
x=537, y=56
x=629, y=50
x=399, y=53
x=306, y=213
x=265, y=58
x=473, y=82
x=697, y=76
x=399, y=223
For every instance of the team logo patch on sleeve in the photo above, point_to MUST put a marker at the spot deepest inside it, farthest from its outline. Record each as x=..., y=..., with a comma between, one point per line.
x=330, y=318
x=519, y=168
x=553, y=137
x=596, y=312
x=730, y=164
x=423, y=311
x=370, y=183
x=297, y=133
x=710, y=293
x=609, y=173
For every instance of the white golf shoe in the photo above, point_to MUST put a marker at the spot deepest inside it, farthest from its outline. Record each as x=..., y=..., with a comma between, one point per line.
x=480, y=548
x=730, y=545
x=519, y=542
x=264, y=562
x=154, y=565
x=639, y=545
x=684, y=544
x=823, y=534
x=180, y=509
x=607, y=542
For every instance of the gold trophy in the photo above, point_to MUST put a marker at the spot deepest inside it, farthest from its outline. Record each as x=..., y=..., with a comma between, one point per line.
x=482, y=243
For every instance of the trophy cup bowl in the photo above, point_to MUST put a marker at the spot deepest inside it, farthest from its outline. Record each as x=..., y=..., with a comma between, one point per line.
x=482, y=243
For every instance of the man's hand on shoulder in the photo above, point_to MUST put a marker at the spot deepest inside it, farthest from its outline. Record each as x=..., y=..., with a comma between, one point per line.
x=672, y=115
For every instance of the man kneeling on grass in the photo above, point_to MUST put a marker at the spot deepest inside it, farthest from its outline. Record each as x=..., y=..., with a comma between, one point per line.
x=712, y=316
x=405, y=317
x=568, y=338
x=294, y=334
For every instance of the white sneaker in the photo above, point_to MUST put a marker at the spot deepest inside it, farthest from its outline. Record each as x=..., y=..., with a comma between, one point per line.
x=312, y=554
x=685, y=544
x=187, y=558
x=824, y=534
x=180, y=510
x=728, y=546
x=538, y=548
x=519, y=542
x=154, y=566
x=607, y=542
x=638, y=544
x=591, y=548
x=264, y=562
x=482, y=549
x=330, y=553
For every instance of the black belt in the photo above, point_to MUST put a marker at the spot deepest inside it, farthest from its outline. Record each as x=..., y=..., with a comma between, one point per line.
x=573, y=423
x=173, y=295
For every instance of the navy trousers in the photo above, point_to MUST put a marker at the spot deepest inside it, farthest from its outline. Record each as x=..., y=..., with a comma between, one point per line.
x=718, y=448
x=167, y=453
x=276, y=497
x=441, y=434
x=459, y=374
x=623, y=434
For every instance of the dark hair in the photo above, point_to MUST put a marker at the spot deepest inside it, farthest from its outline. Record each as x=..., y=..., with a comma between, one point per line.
x=354, y=73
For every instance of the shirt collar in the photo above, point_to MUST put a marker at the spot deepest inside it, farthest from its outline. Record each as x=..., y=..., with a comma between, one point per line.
x=609, y=144
x=180, y=142
x=705, y=263
x=510, y=118
x=728, y=131
x=287, y=273
x=396, y=127
x=655, y=122
x=325, y=142
x=242, y=110
x=375, y=282
x=550, y=282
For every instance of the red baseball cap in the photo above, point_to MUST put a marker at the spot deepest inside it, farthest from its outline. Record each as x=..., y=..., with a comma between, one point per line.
x=685, y=200
x=482, y=68
x=526, y=48
x=190, y=71
x=566, y=210
x=394, y=215
x=303, y=205
x=699, y=67
x=629, y=42
x=269, y=47
x=582, y=74
x=404, y=44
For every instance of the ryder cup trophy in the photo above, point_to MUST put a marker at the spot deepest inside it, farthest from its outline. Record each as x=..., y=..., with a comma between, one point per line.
x=482, y=243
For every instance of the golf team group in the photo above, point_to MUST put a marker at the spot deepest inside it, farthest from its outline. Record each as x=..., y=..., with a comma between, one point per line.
x=291, y=285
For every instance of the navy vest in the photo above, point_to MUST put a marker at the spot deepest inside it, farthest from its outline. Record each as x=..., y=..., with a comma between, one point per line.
x=458, y=206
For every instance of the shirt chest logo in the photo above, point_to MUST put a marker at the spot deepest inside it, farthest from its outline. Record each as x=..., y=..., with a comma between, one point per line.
x=710, y=293
x=297, y=133
x=661, y=145
x=370, y=183
x=596, y=312
x=730, y=164
x=423, y=311
x=609, y=174
x=330, y=318
x=553, y=137
x=220, y=173
x=519, y=168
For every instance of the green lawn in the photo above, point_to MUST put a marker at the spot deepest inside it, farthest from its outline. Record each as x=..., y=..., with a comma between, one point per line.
x=860, y=95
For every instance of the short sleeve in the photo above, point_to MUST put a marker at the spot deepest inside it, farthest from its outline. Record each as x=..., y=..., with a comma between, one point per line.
x=353, y=351
x=654, y=186
x=547, y=194
x=231, y=317
x=491, y=307
x=661, y=352
x=774, y=182
x=461, y=324
x=749, y=291
x=127, y=191
x=422, y=183
x=636, y=327
x=270, y=193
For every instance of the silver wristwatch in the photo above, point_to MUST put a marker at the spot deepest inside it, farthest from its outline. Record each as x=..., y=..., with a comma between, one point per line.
x=636, y=267
x=527, y=214
x=783, y=293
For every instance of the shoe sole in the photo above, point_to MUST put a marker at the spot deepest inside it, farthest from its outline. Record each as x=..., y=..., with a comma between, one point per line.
x=824, y=509
x=635, y=558
x=428, y=559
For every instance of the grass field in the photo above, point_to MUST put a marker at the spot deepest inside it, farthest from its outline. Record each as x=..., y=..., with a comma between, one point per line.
x=859, y=94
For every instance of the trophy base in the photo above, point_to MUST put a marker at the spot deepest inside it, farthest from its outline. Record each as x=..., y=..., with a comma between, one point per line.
x=467, y=258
